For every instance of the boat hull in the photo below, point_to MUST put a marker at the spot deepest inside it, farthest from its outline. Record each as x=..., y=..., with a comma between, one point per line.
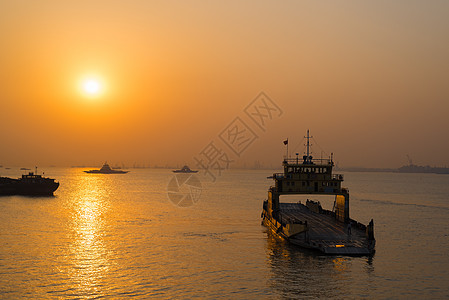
x=321, y=233
x=103, y=172
x=10, y=186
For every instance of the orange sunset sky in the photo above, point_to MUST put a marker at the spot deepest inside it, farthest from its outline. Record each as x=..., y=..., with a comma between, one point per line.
x=369, y=79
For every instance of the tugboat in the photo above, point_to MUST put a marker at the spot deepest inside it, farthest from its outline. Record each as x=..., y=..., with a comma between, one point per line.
x=106, y=169
x=184, y=169
x=31, y=184
x=309, y=225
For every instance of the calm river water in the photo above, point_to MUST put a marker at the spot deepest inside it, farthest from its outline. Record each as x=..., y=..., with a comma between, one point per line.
x=119, y=236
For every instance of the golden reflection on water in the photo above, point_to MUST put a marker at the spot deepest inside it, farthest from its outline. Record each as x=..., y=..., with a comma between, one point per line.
x=340, y=264
x=88, y=252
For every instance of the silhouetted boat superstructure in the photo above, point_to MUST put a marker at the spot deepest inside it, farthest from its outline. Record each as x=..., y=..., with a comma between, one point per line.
x=184, y=169
x=309, y=225
x=106, y=169
x=30, y=184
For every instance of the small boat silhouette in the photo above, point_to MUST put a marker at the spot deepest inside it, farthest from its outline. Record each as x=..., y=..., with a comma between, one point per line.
x=106, y=169
x=184, y=169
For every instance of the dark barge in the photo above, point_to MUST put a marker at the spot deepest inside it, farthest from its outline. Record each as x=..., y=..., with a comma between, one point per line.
x=30, y=184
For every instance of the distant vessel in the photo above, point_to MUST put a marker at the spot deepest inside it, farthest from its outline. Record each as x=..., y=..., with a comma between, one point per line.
x=311, y=226
x=25, y=169
x=30, y=184
x=422, y=169
x=184, y=169
x=106, y=169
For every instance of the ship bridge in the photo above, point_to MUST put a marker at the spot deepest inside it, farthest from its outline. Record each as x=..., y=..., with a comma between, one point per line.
x=309, y=176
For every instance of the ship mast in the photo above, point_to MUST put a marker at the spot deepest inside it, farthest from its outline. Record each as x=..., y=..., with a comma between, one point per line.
x=308, y=146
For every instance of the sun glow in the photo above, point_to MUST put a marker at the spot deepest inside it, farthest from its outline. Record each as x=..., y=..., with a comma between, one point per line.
x=92, y=87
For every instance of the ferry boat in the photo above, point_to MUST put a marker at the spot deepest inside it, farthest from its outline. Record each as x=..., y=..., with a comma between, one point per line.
x=309, y=225
x=106, y=169
x=184, y=169
x=30, y=184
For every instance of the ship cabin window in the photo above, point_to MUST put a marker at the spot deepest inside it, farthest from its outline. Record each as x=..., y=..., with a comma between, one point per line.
x=294, y=170
x=317, y=170
x=320, y=170
x=308, y=170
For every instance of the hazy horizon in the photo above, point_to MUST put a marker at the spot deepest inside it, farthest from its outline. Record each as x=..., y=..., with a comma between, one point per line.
x=367, y=79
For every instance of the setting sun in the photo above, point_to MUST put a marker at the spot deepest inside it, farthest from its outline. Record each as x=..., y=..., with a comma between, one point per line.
x=92, y=87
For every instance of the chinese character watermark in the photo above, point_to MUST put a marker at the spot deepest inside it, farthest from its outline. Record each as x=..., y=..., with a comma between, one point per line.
x=262, y=110
x=238, y=136
x=212, y=160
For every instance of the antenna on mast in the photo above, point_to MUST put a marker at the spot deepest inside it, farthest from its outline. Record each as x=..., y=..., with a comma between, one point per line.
x=308, y=157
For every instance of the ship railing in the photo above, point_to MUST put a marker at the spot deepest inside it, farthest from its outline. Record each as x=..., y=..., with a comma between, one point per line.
x=313, y=161
x=282, y=175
